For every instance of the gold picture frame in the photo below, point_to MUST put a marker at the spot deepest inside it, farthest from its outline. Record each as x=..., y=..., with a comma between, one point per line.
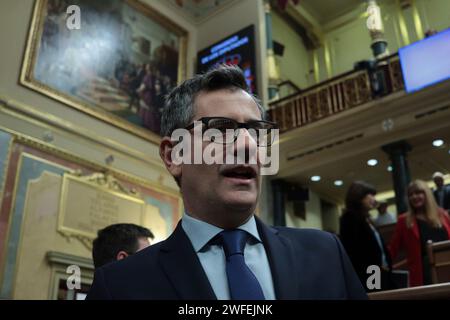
x=116, y=66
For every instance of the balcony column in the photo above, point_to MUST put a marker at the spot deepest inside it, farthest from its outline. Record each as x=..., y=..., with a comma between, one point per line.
x=272, y=69
x=397, y=152
x=375, y=26
x=279, y=208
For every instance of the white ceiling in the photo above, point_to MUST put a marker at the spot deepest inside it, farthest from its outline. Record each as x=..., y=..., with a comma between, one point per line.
x=321, y=10
x=423, y=161
x=199, y=9
x=326, y=10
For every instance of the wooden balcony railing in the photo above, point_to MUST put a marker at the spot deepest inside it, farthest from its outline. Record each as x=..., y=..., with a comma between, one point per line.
x=431, y=292
x=335, y=95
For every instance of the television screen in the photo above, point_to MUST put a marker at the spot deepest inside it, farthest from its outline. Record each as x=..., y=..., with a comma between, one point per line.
x=426, y=62
x=238, y=49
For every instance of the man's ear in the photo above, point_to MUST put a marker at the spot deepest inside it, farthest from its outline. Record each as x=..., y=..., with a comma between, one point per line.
x=165, y=152
x=121, y=255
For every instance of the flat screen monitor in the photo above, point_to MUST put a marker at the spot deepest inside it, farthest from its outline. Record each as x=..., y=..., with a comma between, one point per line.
x=237, y=49
x=426, y=62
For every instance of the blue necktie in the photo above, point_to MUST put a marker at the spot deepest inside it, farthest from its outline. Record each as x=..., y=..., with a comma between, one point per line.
x=242, y=282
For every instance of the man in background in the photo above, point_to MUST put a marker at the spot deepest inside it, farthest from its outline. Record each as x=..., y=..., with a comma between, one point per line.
x=442, y=192
x=384, y=217
x=118, y=241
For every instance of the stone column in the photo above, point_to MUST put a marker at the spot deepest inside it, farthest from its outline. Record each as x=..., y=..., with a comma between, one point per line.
x=375, y=26
x=401, y=177
x=272, y=69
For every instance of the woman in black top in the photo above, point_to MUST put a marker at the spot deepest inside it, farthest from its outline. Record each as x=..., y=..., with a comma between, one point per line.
x=361, y=240
x=428, y=229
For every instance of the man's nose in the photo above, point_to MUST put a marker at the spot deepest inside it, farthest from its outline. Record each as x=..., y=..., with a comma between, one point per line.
x=245, y=146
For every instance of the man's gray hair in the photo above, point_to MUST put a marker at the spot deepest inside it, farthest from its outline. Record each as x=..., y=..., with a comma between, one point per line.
x=178, y=111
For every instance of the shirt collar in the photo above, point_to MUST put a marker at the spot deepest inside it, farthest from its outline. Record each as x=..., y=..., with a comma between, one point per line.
x=201, y=232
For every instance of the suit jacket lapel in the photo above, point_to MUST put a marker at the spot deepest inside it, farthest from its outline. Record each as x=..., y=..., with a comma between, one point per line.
x=183, y=268
x=282, y=263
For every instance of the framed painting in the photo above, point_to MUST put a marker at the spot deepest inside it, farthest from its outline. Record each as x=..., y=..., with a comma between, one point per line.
x=112, y=59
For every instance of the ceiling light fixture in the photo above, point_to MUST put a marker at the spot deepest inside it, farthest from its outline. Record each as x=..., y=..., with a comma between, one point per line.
x=372, y=162
x=438, y=142
x=315, y=178
x=338, y=183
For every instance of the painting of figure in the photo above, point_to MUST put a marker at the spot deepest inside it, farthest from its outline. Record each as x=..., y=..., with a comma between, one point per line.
x=117, y=65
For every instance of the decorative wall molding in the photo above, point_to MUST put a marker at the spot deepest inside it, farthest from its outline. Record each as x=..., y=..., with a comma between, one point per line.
x=54, y=257
x=95, y=166
x=51, y=122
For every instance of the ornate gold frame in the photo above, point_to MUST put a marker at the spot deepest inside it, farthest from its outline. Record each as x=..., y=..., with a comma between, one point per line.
x=27, y=79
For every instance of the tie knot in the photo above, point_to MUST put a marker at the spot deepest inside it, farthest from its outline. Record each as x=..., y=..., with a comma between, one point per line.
x=233, y=241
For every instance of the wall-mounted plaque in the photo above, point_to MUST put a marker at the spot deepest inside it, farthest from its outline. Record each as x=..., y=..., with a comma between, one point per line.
x=87, y=206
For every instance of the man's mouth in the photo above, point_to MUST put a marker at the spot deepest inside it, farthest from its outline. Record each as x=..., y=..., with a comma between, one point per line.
x=240, y=172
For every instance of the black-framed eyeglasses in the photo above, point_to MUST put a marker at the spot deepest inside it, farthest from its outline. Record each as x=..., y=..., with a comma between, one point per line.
x=226, y=130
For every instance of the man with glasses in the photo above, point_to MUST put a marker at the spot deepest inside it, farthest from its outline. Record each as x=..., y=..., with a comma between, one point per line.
x=220, y=249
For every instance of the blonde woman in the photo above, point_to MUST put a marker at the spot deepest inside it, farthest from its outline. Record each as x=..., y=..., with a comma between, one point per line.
x=424, y=221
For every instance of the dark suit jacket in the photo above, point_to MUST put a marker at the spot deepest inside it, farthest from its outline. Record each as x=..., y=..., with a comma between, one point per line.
x=446, y=190
x=360, y=244
x=305, y=264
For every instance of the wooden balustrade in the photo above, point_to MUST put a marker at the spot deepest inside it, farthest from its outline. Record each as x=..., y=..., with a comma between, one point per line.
x=334, y=95
x=439, y=257
x=430, y=292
